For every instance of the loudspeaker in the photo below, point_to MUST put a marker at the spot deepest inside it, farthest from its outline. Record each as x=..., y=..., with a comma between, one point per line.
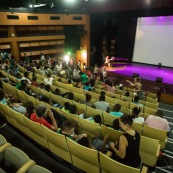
x=159, y=79
x=135, y=75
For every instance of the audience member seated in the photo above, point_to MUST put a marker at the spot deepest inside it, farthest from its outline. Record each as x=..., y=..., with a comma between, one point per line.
x=48, y=79
x=11, y=102
x=116, y=110
x=158, y=121
x=73, y=110
x=110, y=87
x=97, y=119
x=101, y=104
x=115, y=124
x=69, y=82
x=79, y=84
x=34, y=81
x=127, y=94
x=66, y=107
x=84, y=77
x=29, y=109
x=87, y=86
x=47, y=88
x=68, y=129
x=135, y=113
x=24, y=88
x=26, y=77
x=136, y=99
x=87, y=100
x=127, y=150
x=95, y=143
x=39, y=116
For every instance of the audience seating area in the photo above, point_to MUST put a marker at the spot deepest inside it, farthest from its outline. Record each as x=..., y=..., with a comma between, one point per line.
x=88, y=160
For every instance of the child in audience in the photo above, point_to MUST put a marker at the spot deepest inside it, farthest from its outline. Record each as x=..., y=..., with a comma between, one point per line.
x=68, y=128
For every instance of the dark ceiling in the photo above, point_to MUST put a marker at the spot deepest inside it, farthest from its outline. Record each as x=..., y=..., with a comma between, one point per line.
x=85, y=6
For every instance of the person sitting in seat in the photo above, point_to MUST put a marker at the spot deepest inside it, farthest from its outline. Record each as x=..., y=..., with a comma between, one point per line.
x=135, y=113
x=158, y=121
x=68, y=129
x=116, y=110
x=39, y=116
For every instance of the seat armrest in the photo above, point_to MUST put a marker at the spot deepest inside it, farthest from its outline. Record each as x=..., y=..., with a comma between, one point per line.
x=144, y=169
x=109, y=154
x=3, y=147
x=26, y=166
x=158, y=150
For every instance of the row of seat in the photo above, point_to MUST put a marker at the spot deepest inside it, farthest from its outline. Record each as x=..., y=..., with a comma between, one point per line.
x=13, y=159
x=89, y=112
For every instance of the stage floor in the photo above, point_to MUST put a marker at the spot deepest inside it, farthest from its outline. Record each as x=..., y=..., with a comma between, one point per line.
x=148, y=72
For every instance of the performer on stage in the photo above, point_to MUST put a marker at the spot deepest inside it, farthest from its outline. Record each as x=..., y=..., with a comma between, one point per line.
x=106, y=60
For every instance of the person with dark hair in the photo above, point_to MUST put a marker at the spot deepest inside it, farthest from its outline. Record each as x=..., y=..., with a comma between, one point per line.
x=47, y=88
x=23, y=87
x=101, y=104
x=70, y=96
x=127, y=93
x=98, y=119
x=87, y=100
x=73, y=109
x=68, y=128
x=34, y=81
x=116, y=124
x=26, y=77
x=48, y=79
x=116, y=110
x=87, y=86
x=128, y=146
x=138, y=87
x=135, y=113
x=158, y=121
x=66, y=107
x=96, y=143
x=69, y=82
x=136, y=101
x=39, y=116
x=29, y=109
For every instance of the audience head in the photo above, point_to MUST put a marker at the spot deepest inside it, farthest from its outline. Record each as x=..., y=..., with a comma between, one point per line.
x=57, y=91
x=136, y=99
x=125, y=122
x=117, y=107
x=67, y=126
x=136, y=111
x=70, y=96
x=159, y=113
x=84, y=141
x=127, y=94
x=59, y=80
x=41, y=110
x=26, y=74
x=88, y=97
x=47, y=87
x=102, y=97
x=69, y=81
x=115, y=124
x=98, y=119
x=29, y=108
x=102, y=93
x=73, y=109
x=67, y=106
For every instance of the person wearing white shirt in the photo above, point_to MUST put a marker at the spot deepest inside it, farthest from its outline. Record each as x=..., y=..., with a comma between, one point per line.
x=42, y=57
x=135, y=113
x=48, y=79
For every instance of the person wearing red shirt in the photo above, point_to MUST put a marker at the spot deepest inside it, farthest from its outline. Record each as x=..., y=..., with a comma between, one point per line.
x=39, y=117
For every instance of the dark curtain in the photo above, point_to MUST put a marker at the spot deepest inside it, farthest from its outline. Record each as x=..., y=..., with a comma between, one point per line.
x=112, y=26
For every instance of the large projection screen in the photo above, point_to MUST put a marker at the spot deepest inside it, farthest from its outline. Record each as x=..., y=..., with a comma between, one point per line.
x=154, y=41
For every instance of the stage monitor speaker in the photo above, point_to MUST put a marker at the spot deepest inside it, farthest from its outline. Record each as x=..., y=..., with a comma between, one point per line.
x=135, y=75
x=159, y=79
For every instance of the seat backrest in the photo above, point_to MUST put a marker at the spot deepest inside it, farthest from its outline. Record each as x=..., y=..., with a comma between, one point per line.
x=123, y=103
x=154, y=133
x=91, y=112
x=152, y=100
x=2, y=140
x=138, y=127
x=114, y=134
x=91, y=128
x=14, y=159
x=36, y=132
x=109, y=165
x=108, y=118
x=152, y=105
x=149, y=110
x=84, y=158
x=57, y=144
x=149, y=150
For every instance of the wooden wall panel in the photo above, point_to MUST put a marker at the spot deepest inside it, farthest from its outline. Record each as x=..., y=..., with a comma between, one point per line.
x=43, y=19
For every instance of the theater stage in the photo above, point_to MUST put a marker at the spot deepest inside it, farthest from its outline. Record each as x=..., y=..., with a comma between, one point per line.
x=148, y=72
